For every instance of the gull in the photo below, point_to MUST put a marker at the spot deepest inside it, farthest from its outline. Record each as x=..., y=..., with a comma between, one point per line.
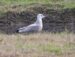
x=37, y=26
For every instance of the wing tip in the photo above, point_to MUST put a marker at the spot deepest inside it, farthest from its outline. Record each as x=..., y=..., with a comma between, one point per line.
x=17, y=31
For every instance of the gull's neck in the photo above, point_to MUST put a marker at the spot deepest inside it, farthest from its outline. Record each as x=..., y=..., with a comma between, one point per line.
x=39, y=21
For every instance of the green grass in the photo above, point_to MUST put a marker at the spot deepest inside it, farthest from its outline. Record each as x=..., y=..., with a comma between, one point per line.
x=68, y=4
x=21, y=5
x=8, y=2
x=51, y=48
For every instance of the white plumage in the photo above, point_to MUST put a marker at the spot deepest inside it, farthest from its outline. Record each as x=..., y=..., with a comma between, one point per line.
x=35, y=27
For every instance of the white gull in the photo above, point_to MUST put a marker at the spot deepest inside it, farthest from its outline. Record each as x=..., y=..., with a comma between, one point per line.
x=35, y=27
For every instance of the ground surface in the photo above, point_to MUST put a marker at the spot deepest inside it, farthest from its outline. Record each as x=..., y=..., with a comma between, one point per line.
x=38, y=45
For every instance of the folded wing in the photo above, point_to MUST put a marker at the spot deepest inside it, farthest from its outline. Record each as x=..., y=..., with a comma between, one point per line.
x=30, y=28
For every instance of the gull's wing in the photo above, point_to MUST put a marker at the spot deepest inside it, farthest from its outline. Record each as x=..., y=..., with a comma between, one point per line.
x=30, y=28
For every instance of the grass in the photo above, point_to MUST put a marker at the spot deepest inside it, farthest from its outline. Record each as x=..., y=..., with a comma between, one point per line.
x=51, y=48
x=66, y=4
x=69, y=46
x=39, y=44
x=23, y=2
x=23, y=5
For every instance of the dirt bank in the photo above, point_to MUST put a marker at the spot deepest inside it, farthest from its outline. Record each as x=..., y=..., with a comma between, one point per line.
x=56, y=21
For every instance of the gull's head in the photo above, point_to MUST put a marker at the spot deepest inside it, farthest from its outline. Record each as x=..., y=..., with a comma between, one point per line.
x=40, y=16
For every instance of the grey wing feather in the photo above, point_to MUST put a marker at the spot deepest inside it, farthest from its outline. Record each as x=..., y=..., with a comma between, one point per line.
x=30, y=28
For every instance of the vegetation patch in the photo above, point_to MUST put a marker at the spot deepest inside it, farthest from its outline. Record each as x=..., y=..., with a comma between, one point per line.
x=52, y=48
x=70, y=46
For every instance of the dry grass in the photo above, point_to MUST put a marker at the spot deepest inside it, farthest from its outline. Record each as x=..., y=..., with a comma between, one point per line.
x=37, y=45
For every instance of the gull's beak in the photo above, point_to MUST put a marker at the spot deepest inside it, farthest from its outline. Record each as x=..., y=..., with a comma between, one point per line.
x=46, y=15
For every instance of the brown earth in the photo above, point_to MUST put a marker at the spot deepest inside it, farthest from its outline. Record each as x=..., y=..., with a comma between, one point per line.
x=57, y=20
